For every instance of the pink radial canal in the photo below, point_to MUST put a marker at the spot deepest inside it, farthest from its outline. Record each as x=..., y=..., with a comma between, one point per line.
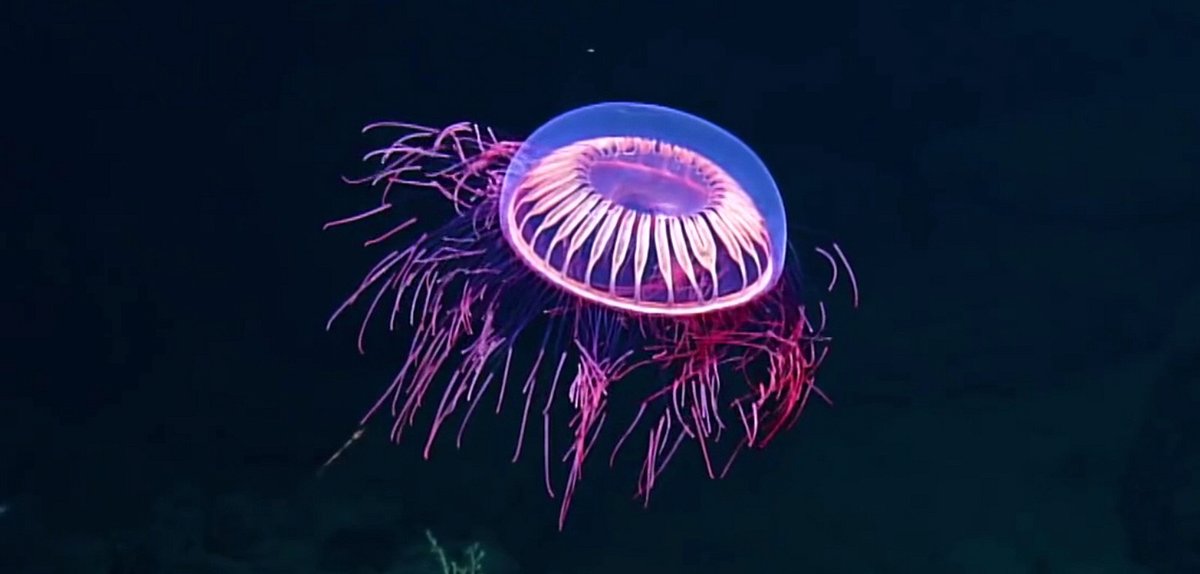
x=641, y=226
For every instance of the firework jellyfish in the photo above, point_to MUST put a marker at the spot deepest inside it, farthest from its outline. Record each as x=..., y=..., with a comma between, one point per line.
x=618, y=238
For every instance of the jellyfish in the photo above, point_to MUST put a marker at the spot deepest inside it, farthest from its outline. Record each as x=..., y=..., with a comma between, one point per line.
x=618, y=238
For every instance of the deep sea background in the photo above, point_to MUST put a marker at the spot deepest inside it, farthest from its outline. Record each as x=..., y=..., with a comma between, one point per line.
x=1015, y=182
